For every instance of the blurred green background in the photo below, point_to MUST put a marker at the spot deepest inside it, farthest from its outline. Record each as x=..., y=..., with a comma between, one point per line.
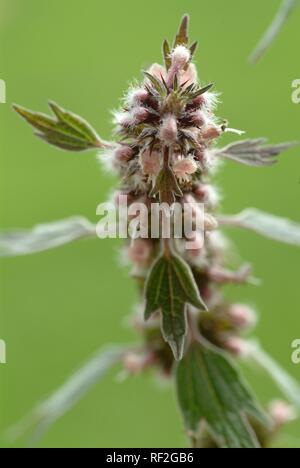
x=58, y=307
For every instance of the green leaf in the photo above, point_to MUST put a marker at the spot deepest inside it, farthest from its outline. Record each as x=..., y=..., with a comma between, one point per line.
x=182, y=35
x=210, y=390
x=166, y=186
x=66, y=131
x=170, y=285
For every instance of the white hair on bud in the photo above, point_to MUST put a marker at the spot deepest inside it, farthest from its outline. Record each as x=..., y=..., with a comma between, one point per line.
x=107, y=159
x=180, y=56
x=211, y=100
x=136, y=96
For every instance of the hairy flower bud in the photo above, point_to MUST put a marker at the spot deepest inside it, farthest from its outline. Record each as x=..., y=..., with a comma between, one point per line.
x=168, y=130
x=198, y=118
x=236, y=345
x=137, y=96
x=184, y=167
x=241, y=316
x=180, y=57
x=212, y=132
x=140, y=251
x=281, y=413
x=123, y=153
x=150, y=162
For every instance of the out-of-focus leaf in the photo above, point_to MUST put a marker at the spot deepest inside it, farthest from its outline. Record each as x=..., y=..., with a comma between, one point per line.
x=67, y=131
x=285, y=382
x=274, y=29
x=254, y=152
x=265, y=224
x=63, y=399
x=45, y=236
x=211, y=391
x=170, y=285
x=182, y=37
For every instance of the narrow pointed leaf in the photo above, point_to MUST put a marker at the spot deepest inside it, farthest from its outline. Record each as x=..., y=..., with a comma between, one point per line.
x=182, y=35
x=211, y=391
x=45, y=236
x=66, y=130
x=201, y=91
x=167, y=54
x=254, y=152
x=156, y=83
x=170, y=286
x=193, y=48
x=265, y=224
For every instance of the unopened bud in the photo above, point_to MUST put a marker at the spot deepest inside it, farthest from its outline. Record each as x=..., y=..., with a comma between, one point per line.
x=140, y=252
x=150, y=162
x=212, y=132
x=198, y=118
x=184, y=167
x=137, y=96
x=123, y=153
x=168, y=131
x=241, y=316
x=140, y=114
x=135, y=363
x=180, y=57
x=236, y=346
x=281, y=413
x=210, y=222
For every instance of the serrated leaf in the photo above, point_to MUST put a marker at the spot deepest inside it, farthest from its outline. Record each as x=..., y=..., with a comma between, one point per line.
x=169, y=287
x=182, y=35
x=167, y=54
x=211, y=391
x=265, y=224
x=166, y=186
x=45, y=236
x=254, y=152
x=66, y=131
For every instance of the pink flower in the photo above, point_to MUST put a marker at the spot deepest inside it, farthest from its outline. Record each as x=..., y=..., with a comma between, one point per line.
x=150, y=162
x=123, y=153
x=184, y=167
x=168, y=130
x=241, y=316
x=281, y=413
x=140, y=251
